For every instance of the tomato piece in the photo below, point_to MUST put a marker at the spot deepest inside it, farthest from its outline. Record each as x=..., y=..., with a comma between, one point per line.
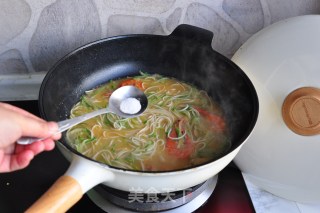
x=172, y=145
x=217, y=121
x=127, y=82
x=132, y=82
x=138, y=84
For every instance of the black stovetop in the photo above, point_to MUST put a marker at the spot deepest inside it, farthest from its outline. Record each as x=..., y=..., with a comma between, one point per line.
x=18, y=190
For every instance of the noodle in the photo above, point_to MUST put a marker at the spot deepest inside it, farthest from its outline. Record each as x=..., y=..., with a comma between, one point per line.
x=181, y=127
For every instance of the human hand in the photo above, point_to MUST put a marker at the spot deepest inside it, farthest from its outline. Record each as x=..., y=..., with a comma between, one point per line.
x=15, y=123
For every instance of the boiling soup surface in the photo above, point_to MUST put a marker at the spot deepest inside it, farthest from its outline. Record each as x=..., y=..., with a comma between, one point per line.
x=181, y=127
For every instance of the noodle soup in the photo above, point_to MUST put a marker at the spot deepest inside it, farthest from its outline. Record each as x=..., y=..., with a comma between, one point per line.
x=181, y=127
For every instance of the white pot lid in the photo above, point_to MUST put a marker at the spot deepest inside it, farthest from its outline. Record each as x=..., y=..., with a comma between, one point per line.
x=280, y=59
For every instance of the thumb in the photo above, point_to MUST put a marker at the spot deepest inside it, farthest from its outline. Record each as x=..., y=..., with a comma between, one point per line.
x=36, y=128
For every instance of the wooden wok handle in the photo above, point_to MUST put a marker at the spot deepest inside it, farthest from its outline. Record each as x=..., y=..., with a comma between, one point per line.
x=63, y=194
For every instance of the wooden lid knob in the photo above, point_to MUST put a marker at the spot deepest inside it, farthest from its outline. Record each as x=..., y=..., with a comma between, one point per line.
x=301, y=111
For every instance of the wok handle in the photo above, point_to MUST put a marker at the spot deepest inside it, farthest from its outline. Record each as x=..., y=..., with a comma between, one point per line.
x=63, y=194
x=189, y=32
x=81, y=176
x=300, y=111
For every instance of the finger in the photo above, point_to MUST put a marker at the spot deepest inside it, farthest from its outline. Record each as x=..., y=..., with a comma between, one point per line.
x=9, y=149
x=40, y=146
x=15, y=162
x=20, y=111
x=56, y=136
x=35, y=128
x=37, y=147
x=49, y=144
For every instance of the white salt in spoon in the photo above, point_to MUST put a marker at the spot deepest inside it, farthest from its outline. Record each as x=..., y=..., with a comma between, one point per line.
x=126, y=101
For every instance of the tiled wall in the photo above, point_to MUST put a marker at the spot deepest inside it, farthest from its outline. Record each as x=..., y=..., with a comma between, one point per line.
x=35, y=34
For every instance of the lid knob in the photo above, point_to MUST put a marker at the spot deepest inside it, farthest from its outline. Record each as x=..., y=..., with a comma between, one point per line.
x=301, y=111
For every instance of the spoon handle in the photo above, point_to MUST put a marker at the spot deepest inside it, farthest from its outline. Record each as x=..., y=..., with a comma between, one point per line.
x=64, y=125
x=67, y=124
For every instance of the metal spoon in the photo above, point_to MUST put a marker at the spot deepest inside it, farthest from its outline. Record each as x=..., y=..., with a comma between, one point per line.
x=115, y=101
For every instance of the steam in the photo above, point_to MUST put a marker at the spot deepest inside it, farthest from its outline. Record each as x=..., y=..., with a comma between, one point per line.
x=226, y=83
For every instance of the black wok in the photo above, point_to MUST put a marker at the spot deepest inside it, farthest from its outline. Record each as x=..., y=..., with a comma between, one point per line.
x=187, y=55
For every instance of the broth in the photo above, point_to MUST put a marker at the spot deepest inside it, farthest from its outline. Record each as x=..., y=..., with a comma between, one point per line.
x=181, y=127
